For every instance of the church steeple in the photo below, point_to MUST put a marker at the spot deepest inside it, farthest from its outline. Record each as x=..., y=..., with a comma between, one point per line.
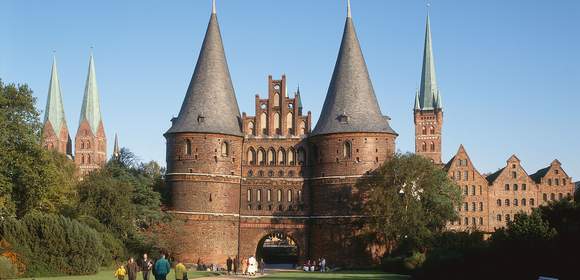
x=210, y=104
x=116, y=150
x=55, y=134
x=351, y=104
x=428, y=95
x=91, y=108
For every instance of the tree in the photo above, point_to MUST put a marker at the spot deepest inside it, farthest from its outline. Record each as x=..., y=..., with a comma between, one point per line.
x=409, y=198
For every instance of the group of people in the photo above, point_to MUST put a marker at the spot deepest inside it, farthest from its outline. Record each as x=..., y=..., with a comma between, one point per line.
x=159, y=269
x=247, y=266
x=312, y=266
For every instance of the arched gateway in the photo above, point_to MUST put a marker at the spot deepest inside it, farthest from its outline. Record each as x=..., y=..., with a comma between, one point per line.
x=278, y=248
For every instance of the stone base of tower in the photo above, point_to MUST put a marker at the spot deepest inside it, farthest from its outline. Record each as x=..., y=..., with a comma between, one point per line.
x=209, y=239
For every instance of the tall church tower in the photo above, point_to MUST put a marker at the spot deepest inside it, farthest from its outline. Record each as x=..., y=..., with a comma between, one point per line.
x=204, y=156
x=90, y=141
x=428, y=111
x=351, y=138
x=55, y=134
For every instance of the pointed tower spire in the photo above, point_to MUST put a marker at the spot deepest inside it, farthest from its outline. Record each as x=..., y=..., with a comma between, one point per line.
x=54, y=112
x=351, y=104
x=91, y=108
x=348, y=12
x=116, y=150
x=213, y=9
x=429, y=92
x=210, y=104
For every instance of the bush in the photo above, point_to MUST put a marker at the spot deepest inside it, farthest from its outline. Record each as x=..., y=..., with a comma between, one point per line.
x=7, y=269
x=53, y=245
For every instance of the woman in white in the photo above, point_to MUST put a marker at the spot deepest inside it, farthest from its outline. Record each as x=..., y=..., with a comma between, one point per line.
x=252, y=266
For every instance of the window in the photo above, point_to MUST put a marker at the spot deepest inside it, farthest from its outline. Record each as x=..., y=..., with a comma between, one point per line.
x=264, y=123
x=277, y=123
x=498, y=217
x=480, y=221
x=424, y=130
x=290, y=123
x=515, y=187
x=524, y=187
x=299, y=195
x=480, y=190
x=532, y=202
x=473, y=221
x=549, y=182
x=466, y=175
x=301, y=156
x=557, y=182
x=516, y=202
x=465, y=206
x=465, y=190
x=472, y=190
x=560, y=196
x=432, y=130
x=507, y=217
x=269, y=195
x=432, y=147
x=466, y=220
x=279, y=196
x=552, y=196
x=346, y=149
x=261, y=157
x=523, y=202
x=251, y=156
x=188, y=147
x=507, y=187
x=459, y=175
x=291, y=156
x=281, y=173
x=251, y=128
x=276, y=100
x=563, y=182
x=481, y=206
x=271, y=157
x=424, y=147
x=88, y=146
x=514, y=174
x=473, y=207
x=282, y=157
x=249, y=194
x=289, y=196
x=250, y=173
x=82, y=144
x=499, y=202
x=507, y=202
x=302, y=128
x=545, y=197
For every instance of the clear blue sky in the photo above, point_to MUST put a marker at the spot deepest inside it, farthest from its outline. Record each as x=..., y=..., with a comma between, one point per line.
x=508, y=70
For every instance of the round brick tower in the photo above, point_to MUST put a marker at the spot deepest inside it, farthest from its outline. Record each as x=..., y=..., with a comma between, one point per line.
x=204, y=152
x=351, y=138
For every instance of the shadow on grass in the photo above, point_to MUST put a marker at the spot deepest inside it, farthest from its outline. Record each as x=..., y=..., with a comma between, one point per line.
x=357, y=275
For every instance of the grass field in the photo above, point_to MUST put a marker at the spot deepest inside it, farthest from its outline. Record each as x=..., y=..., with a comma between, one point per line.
x=355, y=275
x=109, y=275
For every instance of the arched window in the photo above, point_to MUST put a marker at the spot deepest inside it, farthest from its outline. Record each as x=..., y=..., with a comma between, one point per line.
x=466, y=220
x=432, y=130
x=188, y=147
x=89, y=159
x=515, y=187
x=289, y=195
x=523, y=202
x=480, y=221
x=516, y=202
x=499, y=202
x=264, y=123
x=507, y=217
x=498, y=217
x=532, y=202
x=277, y=123
x=82, y=158
x=290, y=123
x=346, y=149
x=432, y=147
x=258, y=195
x=281, y=157
x=472, y=190
x=552, y=196
x=276, y=100
x=279, y=196
x=481, y=206
x=545, y=197
x=251, y=156
x=251, y=128
x=249, y=194
x=261, y=157
x=225, y=149
x=473, y=207
x=82, y=144
x=424, y=147
x=88, y=145
x=465, y=190
x=291, y=156
x=271, y=156
x=424, y=130
x=507, y=202
x=269, y=195
x=302, y=128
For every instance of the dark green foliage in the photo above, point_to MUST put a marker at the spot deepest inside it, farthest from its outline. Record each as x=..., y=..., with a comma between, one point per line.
x=54, y=244
x=410, y=199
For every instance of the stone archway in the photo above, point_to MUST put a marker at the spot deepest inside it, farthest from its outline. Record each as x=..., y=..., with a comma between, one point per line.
x=278, y=248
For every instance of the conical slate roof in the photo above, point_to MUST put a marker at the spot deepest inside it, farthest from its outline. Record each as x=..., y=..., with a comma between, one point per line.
x=210, y=104
x=91, y=108
x=428, y=97
x=351, y=104
x=54, y=112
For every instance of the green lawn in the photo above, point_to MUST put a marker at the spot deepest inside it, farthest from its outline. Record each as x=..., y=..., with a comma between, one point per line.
x=358, y=275
x=109, y=275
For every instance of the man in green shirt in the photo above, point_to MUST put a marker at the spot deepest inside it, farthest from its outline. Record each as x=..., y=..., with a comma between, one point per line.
x=180, y=271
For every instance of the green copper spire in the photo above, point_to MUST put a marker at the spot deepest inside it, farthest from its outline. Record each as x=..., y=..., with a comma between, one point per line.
x=429, y=96
x=91, y=109
x=54, y=112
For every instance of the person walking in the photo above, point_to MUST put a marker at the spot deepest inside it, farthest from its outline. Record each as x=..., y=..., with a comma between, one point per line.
x=323, y=265
x=244, y=266
x=145, y=265
x=262, y=266
x=120, y=273
x=162, y=268
x=236, y=265
x=132, y=269
x=229, y=263
x=180, y=272
x=252, y=266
